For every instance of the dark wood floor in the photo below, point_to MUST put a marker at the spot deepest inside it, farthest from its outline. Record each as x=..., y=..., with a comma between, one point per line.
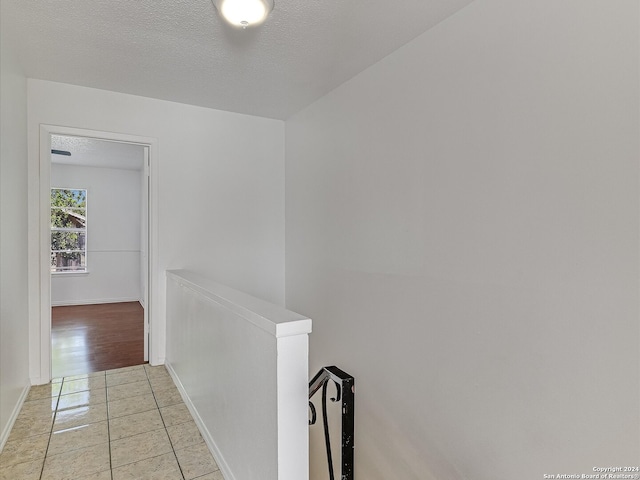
x=92, y=338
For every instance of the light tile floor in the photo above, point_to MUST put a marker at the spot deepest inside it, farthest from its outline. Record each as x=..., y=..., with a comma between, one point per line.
x=124, y=424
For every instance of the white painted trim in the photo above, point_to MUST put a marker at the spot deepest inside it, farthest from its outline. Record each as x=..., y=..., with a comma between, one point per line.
x=293, y=413
x=71, y=274
x=156, y=278
x=44, y=220
x=144, y=249
x=96, y=301
x=271, y=318
x=40, y=335
x=14, y=415
x=204, y=431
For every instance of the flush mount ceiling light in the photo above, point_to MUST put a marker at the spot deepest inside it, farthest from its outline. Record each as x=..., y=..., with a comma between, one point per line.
x=244, y=13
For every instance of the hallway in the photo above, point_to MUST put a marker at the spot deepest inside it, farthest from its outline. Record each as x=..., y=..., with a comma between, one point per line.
x=127, y=423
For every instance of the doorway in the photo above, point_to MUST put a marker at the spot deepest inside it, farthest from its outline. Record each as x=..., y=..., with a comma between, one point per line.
x=97, y=272
x=98, y=243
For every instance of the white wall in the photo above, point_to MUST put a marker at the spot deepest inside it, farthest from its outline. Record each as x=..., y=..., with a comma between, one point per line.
x=14, y=375
x=220, y=179
x=462, y=226
x=113, y=236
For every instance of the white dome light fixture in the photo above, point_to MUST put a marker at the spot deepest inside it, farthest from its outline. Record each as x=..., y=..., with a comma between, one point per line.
x=244, y=13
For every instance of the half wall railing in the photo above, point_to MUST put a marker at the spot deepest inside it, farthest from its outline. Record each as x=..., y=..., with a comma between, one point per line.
x=241, y=365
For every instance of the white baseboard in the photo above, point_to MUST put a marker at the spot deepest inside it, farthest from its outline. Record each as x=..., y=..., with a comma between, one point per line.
x=204, y=431
x=12, y=419
x=69, y=303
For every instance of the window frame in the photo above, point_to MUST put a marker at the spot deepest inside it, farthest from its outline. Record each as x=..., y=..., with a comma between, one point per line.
x=78, y=271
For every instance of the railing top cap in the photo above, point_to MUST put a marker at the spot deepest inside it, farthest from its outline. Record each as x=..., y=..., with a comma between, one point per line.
x=272, y=318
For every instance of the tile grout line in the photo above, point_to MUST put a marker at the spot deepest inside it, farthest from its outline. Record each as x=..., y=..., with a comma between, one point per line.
x=53, y=422
x=164, y=424
x=57, y=410
x=106, y=393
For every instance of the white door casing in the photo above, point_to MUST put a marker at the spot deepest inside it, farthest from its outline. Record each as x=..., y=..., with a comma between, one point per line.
x=40, y=334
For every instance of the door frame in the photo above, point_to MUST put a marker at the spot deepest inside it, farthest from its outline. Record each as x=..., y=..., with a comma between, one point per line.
x=152, y=347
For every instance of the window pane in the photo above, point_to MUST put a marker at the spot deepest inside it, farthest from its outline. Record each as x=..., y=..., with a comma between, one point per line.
x=68, y=218
x=64, y=241
x=61, y=197
x=68, y=262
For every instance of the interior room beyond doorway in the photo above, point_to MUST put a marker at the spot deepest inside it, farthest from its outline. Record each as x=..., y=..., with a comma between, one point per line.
x=99, y=260
x=93, y=338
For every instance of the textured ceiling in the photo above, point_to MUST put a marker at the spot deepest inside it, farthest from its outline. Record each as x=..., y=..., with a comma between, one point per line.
x=181, y=50
x=90, y=152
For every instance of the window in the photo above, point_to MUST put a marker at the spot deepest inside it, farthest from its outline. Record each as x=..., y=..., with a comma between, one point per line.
x=68, y=230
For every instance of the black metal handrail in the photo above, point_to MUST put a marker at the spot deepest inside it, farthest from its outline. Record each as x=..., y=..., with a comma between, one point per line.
x=345, y=387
